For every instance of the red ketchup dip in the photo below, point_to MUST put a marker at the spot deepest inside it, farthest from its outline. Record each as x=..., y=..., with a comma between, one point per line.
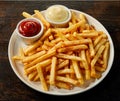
x=29, y=28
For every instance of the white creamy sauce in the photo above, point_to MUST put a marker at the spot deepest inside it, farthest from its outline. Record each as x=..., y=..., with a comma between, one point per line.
x=57, y=13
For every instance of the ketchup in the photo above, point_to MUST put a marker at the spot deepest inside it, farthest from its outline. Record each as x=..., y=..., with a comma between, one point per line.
x=29, y=28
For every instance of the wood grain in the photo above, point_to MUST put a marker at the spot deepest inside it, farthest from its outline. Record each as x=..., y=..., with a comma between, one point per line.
x=12, y=89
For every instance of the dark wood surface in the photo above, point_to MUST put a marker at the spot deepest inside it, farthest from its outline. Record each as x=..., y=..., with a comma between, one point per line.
x=12, y=89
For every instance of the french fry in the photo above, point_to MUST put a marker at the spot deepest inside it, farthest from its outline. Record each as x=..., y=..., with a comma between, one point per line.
x=92, y=50
x=21, y=55
x=106, y=55
x=88, y=35
x=71, y=57
x=28, y=70
x=53, y=70
x=97, y=40
x=32, y=75
x=65, y=71
x=62, y=36
x=46, y=34
x=63, y=64
x=83, y=18
x=93, y=72
x=76, y=42
x=34, y=56
x=85, y=65
x=77, y=72
x=42, y=78
x=102, y=42
x=40, y=16
x=74, y=27
x=32, y=47
x=68, y=80
x=72, y=48
x=26, y=15
x=63, y=85
x=42, y=58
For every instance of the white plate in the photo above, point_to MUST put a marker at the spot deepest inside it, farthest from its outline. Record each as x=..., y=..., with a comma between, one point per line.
x=15, y=43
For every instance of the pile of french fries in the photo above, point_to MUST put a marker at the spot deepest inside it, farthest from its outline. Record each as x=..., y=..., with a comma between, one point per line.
x=65, y=57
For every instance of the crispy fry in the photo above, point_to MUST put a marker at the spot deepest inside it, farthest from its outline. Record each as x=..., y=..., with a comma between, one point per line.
x=32, y=47
x=40, y=16
x=106, y=55
x=34, y=56
x=72, y=48
x=26, y=15
x=42, y=58
x=46, y=34
x=85, y=65
x=53, y=71
x=77, y=72
x=93, y=72
x=42, y=78
x=65, y=71
x=28, y=70
x=63, y=85
x=68, y=80
x=71, y=57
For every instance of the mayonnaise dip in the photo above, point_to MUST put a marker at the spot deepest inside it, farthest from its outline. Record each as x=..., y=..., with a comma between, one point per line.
x=57, y=13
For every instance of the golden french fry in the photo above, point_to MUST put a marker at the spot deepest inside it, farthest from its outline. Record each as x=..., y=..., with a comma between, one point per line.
x=68, y=80
x=17, y=58
x=65, y=71
x=76, y=42
x=106, y=55
x=42, y=58
x=83, y=18
x=77, y=72
x=63, y=64
x=34, y=56
x=44, y=63
x=51, y=37
x=97, y=40
x=21, y=55
x=94, y=60
x=26, y=15
x=70, y=57
x=102, y=42
x=92, y=50
x=85, y=65
x=32, y=75
x=62, y=36
x=42, y=78
x=32, y=47
x=46, y=34
x=88, y=35
x=40, y=16
x=99, y=68
x=63, y=85
x=36, y=78
x=74, y=18
x=74, y=27
x=72, y=48
x=53, y=70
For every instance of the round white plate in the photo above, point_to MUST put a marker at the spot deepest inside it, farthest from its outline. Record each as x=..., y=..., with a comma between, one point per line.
x=15, y=43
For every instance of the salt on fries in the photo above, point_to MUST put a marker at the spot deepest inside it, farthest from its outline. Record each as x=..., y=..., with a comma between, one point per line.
x=65, y=57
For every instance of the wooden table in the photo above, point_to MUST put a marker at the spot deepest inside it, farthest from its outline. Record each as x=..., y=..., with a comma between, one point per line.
x=12, y=89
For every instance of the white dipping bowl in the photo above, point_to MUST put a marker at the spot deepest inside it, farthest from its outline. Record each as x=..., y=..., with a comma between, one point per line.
x=55, y=13
x=30, y=39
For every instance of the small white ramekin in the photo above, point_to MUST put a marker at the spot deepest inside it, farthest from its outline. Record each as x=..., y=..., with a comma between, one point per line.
x=30, y=40
x=59, y=24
